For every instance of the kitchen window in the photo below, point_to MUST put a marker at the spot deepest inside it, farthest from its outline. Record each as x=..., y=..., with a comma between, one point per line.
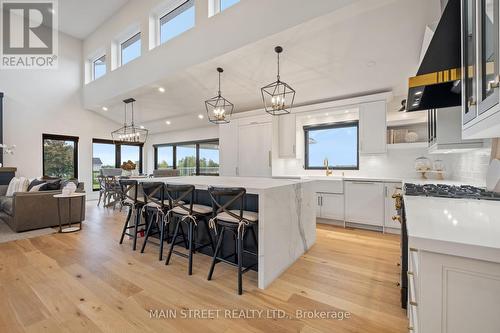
x=177, y=21
x=60, y=156
x=99, y=67
x=131, y=48
x=338, y=143
x=190, y=158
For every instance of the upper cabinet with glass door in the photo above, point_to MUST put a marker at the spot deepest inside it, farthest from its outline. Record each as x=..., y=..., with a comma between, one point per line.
x=480, y=69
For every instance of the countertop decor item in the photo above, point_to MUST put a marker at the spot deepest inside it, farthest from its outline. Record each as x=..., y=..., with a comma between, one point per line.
x=219, y=109
x=130, y=132
x=128, y=167
x=278, y=96
x=423, y=165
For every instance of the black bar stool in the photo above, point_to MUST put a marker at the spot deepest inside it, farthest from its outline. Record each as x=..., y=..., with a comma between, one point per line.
x=129, y=189
x=188, y=213
x=156, y=209
x=237, y=221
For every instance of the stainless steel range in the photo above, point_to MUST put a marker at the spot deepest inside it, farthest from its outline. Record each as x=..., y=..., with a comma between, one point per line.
x=450, y=191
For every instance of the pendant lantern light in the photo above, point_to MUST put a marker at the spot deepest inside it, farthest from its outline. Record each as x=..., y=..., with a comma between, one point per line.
x=130, y=132
x=278, y=97
x=219, y=109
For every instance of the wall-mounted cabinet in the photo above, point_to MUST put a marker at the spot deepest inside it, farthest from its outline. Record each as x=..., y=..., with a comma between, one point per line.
x=373, y=128
x=480, y=69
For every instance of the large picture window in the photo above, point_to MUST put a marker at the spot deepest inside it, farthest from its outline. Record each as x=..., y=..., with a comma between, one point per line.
x=190, y=158
x=177, y=21
x=110, y=154
x=337, y=143
x=60, y=156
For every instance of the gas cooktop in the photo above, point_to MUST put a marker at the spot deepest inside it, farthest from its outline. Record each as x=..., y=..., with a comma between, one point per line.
x=450, y=191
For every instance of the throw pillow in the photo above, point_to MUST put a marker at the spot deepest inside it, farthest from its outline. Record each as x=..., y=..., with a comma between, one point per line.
x=67, y=181
x=34, y=183
x=37, y=188
x=13, y=185
x=52, y=186
x=24, y=183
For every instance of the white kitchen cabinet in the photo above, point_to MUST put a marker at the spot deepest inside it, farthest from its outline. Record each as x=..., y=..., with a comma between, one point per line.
x=390, y=209
x=364, y=202
x=372, y=128
x=453, y=294
x=254, y=150
x=481, y=83
x=228, y=148
x=331, y=206
x=287, y=136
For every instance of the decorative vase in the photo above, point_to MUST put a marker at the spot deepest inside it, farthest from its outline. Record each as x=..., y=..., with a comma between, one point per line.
x=126, y=173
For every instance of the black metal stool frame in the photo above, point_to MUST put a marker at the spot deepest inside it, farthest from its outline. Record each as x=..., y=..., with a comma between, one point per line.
x=238, y=229
x=129, y=189
x=176, y=195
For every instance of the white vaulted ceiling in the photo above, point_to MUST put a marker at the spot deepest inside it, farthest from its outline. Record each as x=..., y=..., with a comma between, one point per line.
x=349, y=52
x=79, y=18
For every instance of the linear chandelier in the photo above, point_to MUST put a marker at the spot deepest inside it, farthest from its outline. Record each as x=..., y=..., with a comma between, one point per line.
x=130, y=132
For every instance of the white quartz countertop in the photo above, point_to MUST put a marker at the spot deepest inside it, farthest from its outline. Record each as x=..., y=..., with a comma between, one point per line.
x=462, y=227
x=251, y=184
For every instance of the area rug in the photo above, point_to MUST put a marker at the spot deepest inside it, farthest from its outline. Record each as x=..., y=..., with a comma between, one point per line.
x=7, y=235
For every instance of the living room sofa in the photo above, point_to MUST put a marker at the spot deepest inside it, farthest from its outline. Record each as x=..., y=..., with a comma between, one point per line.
x=35, y=210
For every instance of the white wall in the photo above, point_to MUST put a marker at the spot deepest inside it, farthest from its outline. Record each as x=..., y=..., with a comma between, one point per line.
x=195, y=134
x=49, y=101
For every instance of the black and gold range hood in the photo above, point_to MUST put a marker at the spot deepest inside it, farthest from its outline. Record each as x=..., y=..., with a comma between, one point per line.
x=437, y=83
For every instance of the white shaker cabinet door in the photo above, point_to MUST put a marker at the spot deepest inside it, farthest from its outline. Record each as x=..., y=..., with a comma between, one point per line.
x=254, y=150
x=364, y=202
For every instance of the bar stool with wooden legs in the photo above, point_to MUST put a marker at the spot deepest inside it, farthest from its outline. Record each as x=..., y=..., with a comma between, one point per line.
x=184, y=210
x=236, y=221
x=129, y=190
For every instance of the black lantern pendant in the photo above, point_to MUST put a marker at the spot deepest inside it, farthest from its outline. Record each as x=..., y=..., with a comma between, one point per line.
x=278, y=96
x=219, y=109
x=130, y=132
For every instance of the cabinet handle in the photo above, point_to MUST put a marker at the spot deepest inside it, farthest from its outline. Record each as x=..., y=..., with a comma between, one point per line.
x=319, y=201
x=397, y=218
x=294, y=152
x=413, y=249
x=410, y=328
x=413, y=303
x=237, y=171
x=409, y=273
x=364, y=183
x=270, y=159
x=471, y=102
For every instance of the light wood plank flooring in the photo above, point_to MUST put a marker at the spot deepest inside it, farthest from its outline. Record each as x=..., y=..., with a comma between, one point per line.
x=87, y=282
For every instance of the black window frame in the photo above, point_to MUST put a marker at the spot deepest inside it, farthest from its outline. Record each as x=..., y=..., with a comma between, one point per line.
x=343, y=124
x=59, y=137
x=93, y=66
x=136, y=37
x=174, y=153
x=186, y=5
x=118, y=153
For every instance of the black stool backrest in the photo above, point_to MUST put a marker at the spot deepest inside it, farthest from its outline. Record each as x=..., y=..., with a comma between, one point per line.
x=177, y=194
x=129, y=189
x=154, y=192
x=223, y=198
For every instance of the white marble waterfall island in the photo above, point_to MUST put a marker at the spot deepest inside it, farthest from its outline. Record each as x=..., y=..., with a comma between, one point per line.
x=287, y=218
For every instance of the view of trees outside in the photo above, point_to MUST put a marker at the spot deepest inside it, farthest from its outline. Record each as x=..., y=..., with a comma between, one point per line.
x=59, y=158
x=186, y=158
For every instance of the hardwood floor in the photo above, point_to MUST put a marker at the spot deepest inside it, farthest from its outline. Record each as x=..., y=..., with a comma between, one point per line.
x=87, y=282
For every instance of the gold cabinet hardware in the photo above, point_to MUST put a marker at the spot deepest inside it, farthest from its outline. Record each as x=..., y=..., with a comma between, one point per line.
x=409, y=273
x=397, y=218
x=471, y=102
x=494, y=84
x=410, y=328
x=412, y=249
x=413, y=303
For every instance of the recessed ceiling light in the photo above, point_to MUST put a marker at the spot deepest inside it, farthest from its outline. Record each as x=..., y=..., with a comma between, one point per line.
x=168, y=122
x=346, y=111
x=104, y=108
x=161, y=89
x=52, y=10
x=200, y=116
x=142, y=126
x=326, y=114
